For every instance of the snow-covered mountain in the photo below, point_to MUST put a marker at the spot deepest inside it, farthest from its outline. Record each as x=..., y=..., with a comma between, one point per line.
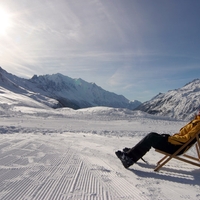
x=180, y=103
x=58, y=90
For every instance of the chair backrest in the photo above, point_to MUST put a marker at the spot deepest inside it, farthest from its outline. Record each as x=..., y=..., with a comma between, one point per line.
x=194, y=140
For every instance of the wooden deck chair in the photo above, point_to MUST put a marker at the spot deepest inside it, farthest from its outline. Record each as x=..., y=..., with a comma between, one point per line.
x=183, y=157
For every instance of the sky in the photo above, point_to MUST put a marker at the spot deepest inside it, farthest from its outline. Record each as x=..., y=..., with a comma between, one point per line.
x=135, y=48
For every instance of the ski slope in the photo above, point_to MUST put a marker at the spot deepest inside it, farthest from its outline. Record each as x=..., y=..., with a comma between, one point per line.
x=67, y=154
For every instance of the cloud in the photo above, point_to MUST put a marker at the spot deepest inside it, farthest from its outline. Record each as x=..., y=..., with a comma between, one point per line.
x=121, y=77
x=121, y=45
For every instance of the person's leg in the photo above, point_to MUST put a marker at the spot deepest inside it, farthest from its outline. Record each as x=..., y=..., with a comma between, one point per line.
x=167, y=147
x=131, y=156
x=155, y=140
x=140, y=149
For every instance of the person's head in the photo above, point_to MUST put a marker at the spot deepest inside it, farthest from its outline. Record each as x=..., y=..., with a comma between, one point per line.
x=198, y=114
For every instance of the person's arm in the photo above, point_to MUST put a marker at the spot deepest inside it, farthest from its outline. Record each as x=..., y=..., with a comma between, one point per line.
x=182, y=138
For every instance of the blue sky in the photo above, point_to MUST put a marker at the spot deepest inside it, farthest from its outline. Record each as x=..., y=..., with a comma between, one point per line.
x=136, y=48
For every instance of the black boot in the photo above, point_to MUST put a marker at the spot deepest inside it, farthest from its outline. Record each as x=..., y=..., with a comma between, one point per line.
x=126, y=161
x=126, y=149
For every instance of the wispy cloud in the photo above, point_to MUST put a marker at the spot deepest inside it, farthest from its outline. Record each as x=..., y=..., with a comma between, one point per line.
x=128, y=47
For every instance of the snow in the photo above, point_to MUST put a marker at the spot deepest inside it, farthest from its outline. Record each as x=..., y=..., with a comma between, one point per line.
x=58, y=90
x=179, y=103
x=63, y=153
x=69, y=154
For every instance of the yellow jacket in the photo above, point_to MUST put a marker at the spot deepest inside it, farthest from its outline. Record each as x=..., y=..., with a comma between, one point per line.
x=185, y=133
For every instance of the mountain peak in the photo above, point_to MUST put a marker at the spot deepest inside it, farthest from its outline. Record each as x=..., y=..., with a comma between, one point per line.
x=180, y=103
x=194, y=81
x=68, y=92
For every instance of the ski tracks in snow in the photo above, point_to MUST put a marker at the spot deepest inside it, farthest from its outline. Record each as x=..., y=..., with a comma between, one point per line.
x=47, y=167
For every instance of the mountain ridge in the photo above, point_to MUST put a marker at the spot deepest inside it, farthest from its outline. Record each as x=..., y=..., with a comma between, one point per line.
x=65, y=91
x=58, y=90
x=181, y=103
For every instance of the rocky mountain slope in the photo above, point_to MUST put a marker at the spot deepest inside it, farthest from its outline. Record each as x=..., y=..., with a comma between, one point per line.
x=180, y=103
x=58, y=90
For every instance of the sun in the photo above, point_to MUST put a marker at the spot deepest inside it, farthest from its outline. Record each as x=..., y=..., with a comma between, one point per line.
x=4, y=21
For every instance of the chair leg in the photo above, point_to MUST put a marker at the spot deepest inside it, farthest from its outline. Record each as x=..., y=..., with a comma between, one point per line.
x=198, y=151
x=160, y=163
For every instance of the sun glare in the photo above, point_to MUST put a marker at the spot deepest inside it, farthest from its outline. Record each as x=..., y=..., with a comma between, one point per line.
x=4, y=21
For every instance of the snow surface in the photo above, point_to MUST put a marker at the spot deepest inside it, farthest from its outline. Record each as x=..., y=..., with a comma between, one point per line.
x=67, y=154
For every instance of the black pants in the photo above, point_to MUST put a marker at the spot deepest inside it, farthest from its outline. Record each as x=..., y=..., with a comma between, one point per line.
x=154, y=140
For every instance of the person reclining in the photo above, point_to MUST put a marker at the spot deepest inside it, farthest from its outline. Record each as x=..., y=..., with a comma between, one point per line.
x=163, y=142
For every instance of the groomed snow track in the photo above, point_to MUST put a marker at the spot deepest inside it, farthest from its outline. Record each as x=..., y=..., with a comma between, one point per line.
x=33, y=169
